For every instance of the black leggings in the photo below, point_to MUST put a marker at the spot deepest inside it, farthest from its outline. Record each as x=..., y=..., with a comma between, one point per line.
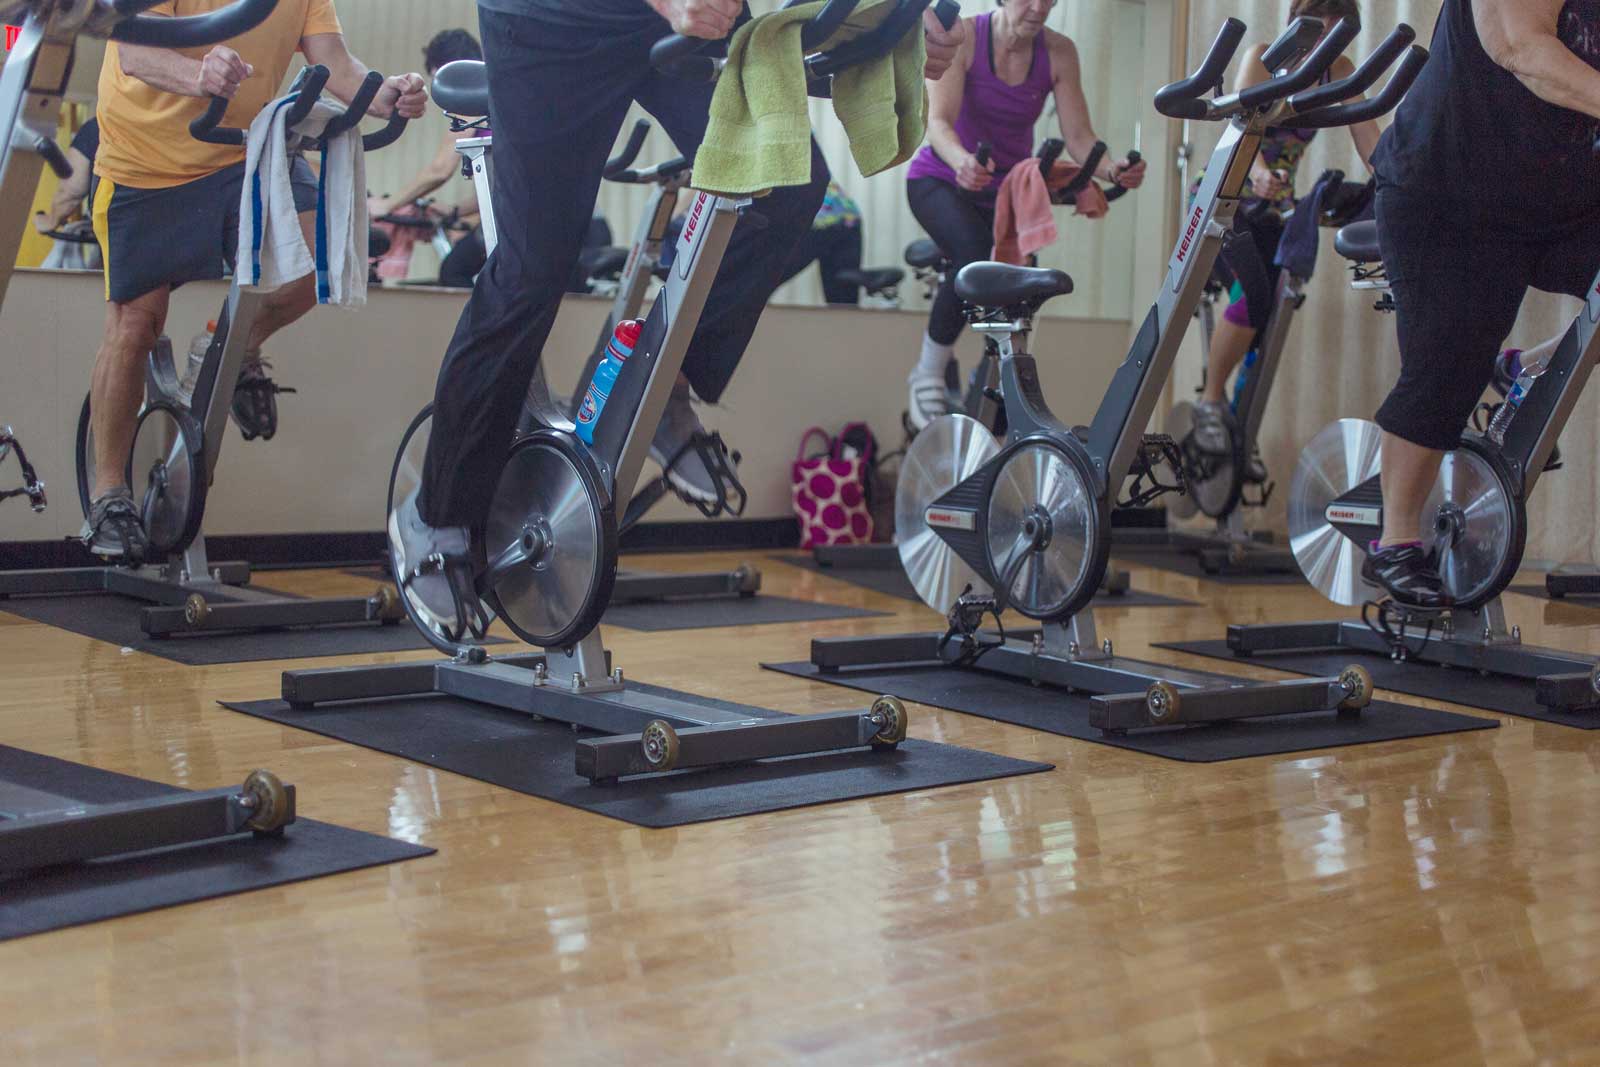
x=963, y=228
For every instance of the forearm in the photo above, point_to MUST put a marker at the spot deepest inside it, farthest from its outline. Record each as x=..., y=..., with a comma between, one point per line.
x=424, y=183
x=942, y=135
x=67, y=201
x=346, y=74
x=161, y=68
x=1366, y=135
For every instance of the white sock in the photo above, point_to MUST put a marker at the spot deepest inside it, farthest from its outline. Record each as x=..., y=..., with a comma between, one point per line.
x=934, y=357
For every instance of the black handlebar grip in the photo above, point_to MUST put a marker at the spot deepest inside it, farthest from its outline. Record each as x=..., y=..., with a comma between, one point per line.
x=1185, y=99
x=1117, y=192
x=1294, y=42
x=310, y=84
x=948, y=12
x=205, y=128
x=985, y=153
x=1364, y=77
x=825, y=23
x=358, y=106
x=630, y=151
x=1048, y=153
x=1307, y=73
x=189, y=31
x=1416, y=58
x=54, y=157
x=385, y=137
x=1085, y=175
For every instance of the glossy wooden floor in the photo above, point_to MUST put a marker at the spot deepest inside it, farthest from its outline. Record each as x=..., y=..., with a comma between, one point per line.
x=1421, y=902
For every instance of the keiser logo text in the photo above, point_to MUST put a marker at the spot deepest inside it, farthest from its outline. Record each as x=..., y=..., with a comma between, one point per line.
x=1188, y=235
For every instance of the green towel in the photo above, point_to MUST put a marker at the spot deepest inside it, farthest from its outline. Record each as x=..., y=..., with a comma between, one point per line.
x=759, y=134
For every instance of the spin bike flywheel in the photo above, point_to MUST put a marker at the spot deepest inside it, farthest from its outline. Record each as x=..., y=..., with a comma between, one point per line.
x=945, y=453
x=1046, y=525
x=166, y=469
x=1213, y=483
x=1473, y=519
x=550, y=542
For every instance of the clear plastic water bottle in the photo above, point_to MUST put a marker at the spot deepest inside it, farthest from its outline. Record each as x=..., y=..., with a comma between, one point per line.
x=197, y=357
x=618, y=349
x=1533, y=365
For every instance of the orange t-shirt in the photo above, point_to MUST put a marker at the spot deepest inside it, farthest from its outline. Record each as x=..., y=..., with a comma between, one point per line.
x=144, y=131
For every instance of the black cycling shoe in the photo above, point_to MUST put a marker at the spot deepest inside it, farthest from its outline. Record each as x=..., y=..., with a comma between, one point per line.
x=1407, y=574
x=255, y=400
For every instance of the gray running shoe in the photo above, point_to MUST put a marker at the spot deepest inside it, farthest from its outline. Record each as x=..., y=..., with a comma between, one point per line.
x=928, y=397
x=114, y=529
x=680, y=446
x=1212, y=434
x=424, y=558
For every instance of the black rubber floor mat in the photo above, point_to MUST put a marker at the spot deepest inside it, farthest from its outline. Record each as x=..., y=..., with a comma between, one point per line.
x=895, y=583
x=115, y=620
x=516, y=752
x=73, y=894
x=698, y=613
x=1539, y=592
x=1009, y=700
x=1510, y=696
x=1175, y=560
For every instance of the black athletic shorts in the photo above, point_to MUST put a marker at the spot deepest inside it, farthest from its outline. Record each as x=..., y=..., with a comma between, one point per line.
x=154, y=238
x=1458, y=286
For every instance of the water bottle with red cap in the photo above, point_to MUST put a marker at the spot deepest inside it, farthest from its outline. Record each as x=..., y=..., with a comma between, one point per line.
x=618, y=349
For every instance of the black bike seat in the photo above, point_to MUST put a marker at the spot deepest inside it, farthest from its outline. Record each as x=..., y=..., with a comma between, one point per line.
x=604, y=262
x=873, y=280
x=462, y=88
x=1001, y=285
x=1359, y=242
x=924, y=255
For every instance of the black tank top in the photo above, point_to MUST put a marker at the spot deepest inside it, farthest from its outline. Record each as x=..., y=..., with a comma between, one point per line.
x=1469, y=133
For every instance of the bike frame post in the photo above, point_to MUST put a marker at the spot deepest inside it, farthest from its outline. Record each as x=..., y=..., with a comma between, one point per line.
x=32, y=84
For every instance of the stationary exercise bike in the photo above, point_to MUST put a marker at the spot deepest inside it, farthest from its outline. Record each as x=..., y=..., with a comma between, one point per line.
x=177, y=445
x=40, y=829
x=1024, y=524
x=1222, y=487
x=979, y=400
x=1476, y=520
x=547, y=554
x=461, y=89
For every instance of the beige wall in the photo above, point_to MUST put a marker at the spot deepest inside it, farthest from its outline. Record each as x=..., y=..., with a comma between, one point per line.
x=363, y=375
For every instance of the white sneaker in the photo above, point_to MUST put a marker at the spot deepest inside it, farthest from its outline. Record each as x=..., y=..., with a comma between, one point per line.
x=928, y=398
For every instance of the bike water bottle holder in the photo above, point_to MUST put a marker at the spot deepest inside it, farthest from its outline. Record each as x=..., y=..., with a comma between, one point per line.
x=1156, y=451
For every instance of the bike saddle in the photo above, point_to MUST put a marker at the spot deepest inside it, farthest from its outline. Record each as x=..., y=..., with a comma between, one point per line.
x=604, y=262
x=875, y=280
x=462, y=88
x=1000, y=285
x=1358, y=242
x=924, y=255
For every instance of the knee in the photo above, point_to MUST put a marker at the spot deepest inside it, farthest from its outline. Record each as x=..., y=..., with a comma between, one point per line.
x=292, y=301
x=130, y=335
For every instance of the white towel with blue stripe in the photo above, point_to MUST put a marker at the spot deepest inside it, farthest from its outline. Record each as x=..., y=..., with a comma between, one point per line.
x=272, y=248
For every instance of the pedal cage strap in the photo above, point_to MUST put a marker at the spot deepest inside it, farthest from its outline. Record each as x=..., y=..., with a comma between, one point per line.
x=32, y=487
x=1157, y=450
x=966, y=624
x=1389, y=620
x=722, y=465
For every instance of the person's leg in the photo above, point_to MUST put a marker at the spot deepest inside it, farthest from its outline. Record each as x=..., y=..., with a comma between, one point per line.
x=1230, y=343
x=805, y=253
x=839, y=250
x=756, y=258
x=1456, y=294
x=550, y=147
x=116, y=389
x=963, y=228
x=464, y=262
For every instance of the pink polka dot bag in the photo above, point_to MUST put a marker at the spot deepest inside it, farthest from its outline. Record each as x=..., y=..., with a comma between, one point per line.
x=830, y=493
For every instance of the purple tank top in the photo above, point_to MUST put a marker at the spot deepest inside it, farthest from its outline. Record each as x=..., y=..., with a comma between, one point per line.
x=1004, y=115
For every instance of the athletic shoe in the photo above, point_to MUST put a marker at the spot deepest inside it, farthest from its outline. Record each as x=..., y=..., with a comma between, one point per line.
x=1212, y=433
x=678, y=448
x=423, y=558
x=255, y=400
x=928, y=397
x=114, y=529
x=1407, y=575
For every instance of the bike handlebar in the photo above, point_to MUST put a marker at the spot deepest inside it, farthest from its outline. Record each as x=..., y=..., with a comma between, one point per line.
x=1186, y=99
x=1304, y=76
x=1416, y=58
x=188, y=31
x=1364, y=78
x=623, y=160
x=208, y=127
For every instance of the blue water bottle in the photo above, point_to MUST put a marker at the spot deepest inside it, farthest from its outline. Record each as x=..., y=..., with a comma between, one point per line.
x=618, y=349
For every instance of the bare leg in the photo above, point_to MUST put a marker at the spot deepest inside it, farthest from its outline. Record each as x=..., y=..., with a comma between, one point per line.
x=1230, y=342
x=1409, y=473
x=117, y=388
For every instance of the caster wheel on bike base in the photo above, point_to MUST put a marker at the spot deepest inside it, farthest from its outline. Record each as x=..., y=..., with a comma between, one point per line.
x=1357, y=682
x=660, y=744
x=196, y=611
x=270, y=802
x=1163, y=703
x=889, y=713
